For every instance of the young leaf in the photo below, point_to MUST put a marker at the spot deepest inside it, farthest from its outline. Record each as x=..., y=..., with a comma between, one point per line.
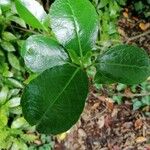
x=123, y=63
x=14, y=83
x=7, y=46
x=19, y=123
x=18, y=20
x=8, y=36
x=3, y=94
x=41, y=53
x=137, y=104
x=75, y=24
x=103, y=3
x=32, y=13
x=55, y=99
x=13, y=60
x=14, y=102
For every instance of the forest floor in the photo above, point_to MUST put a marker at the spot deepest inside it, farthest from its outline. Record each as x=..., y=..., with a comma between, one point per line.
x=105, y=125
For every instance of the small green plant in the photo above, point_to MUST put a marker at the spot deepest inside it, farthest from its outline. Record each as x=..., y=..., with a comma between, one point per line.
x=142, y=8
x=15, y=132
x=54, y=100
x=144, y=99
x=12, y=124
x=108, y=12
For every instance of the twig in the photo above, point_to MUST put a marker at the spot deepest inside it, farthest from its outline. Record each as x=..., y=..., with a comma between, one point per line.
x=124, y=95
x=137, y=36
x=133, y=95
x=23, y=29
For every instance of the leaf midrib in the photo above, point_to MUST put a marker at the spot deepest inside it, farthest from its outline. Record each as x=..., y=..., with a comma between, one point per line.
x=61, y=92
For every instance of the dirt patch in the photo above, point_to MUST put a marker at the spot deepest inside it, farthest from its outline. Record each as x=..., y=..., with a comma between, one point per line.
x=106, y=126
x=134, y=29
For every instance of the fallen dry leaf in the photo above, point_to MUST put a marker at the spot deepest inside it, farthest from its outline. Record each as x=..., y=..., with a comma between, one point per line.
x=101, y=122
x=81, y=132
x=62, y=136
x=125, y=14
x=38, y=142
x=144, y=26
x=141, y=139
x=109, y=104
x=128, y=92
x=138, y=124
x=122, y=32
x=95, y=106
x=116, y=148
x=115, y=112
x=108, y=121
x=147, y=147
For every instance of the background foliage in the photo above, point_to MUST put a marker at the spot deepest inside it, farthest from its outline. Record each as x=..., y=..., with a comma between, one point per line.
x=15, y=132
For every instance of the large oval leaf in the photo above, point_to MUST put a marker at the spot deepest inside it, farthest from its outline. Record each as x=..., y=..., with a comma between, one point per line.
x=123, y=63
x=75, y=24
x=32, y=13
x=5, y=2
x=55, y=99
x=41, y=52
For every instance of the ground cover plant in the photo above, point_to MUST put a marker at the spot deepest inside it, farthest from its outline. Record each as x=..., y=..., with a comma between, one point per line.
x=54, y=100
x=15, y=132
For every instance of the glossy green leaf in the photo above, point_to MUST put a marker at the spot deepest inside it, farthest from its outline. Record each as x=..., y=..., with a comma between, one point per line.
x=41, y=53
x=8, y=36
x=13, y=60
x=32, y=13
x=123, y=63
x=74, y=57
x=55, y=99
x=19, y=144
x=18, y=20
x=18, y=123
x=13, y=92
x=3, y=94
x=75, y=24
x=14, y=102
x=5, y=2
x=146, y=100
x=4, y=112
x=7, y=46
x=103, y=3
x=14, y=83
x=16, y=110
x=137, y=104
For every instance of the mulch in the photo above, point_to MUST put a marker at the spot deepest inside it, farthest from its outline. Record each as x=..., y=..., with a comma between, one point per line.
x=107, y=126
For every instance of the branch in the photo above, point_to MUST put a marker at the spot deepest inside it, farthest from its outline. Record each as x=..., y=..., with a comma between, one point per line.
x=123, y=95
x=137, y=36
x=23, y=29
x=133, y=95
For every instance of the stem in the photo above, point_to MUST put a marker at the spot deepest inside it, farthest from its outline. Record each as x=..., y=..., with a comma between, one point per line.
x=23, y=29
x=137, y=36
x=133, y=95
x=124, y=95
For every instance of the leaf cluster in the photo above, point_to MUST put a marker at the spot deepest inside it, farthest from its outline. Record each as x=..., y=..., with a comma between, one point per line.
x=55, y=98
